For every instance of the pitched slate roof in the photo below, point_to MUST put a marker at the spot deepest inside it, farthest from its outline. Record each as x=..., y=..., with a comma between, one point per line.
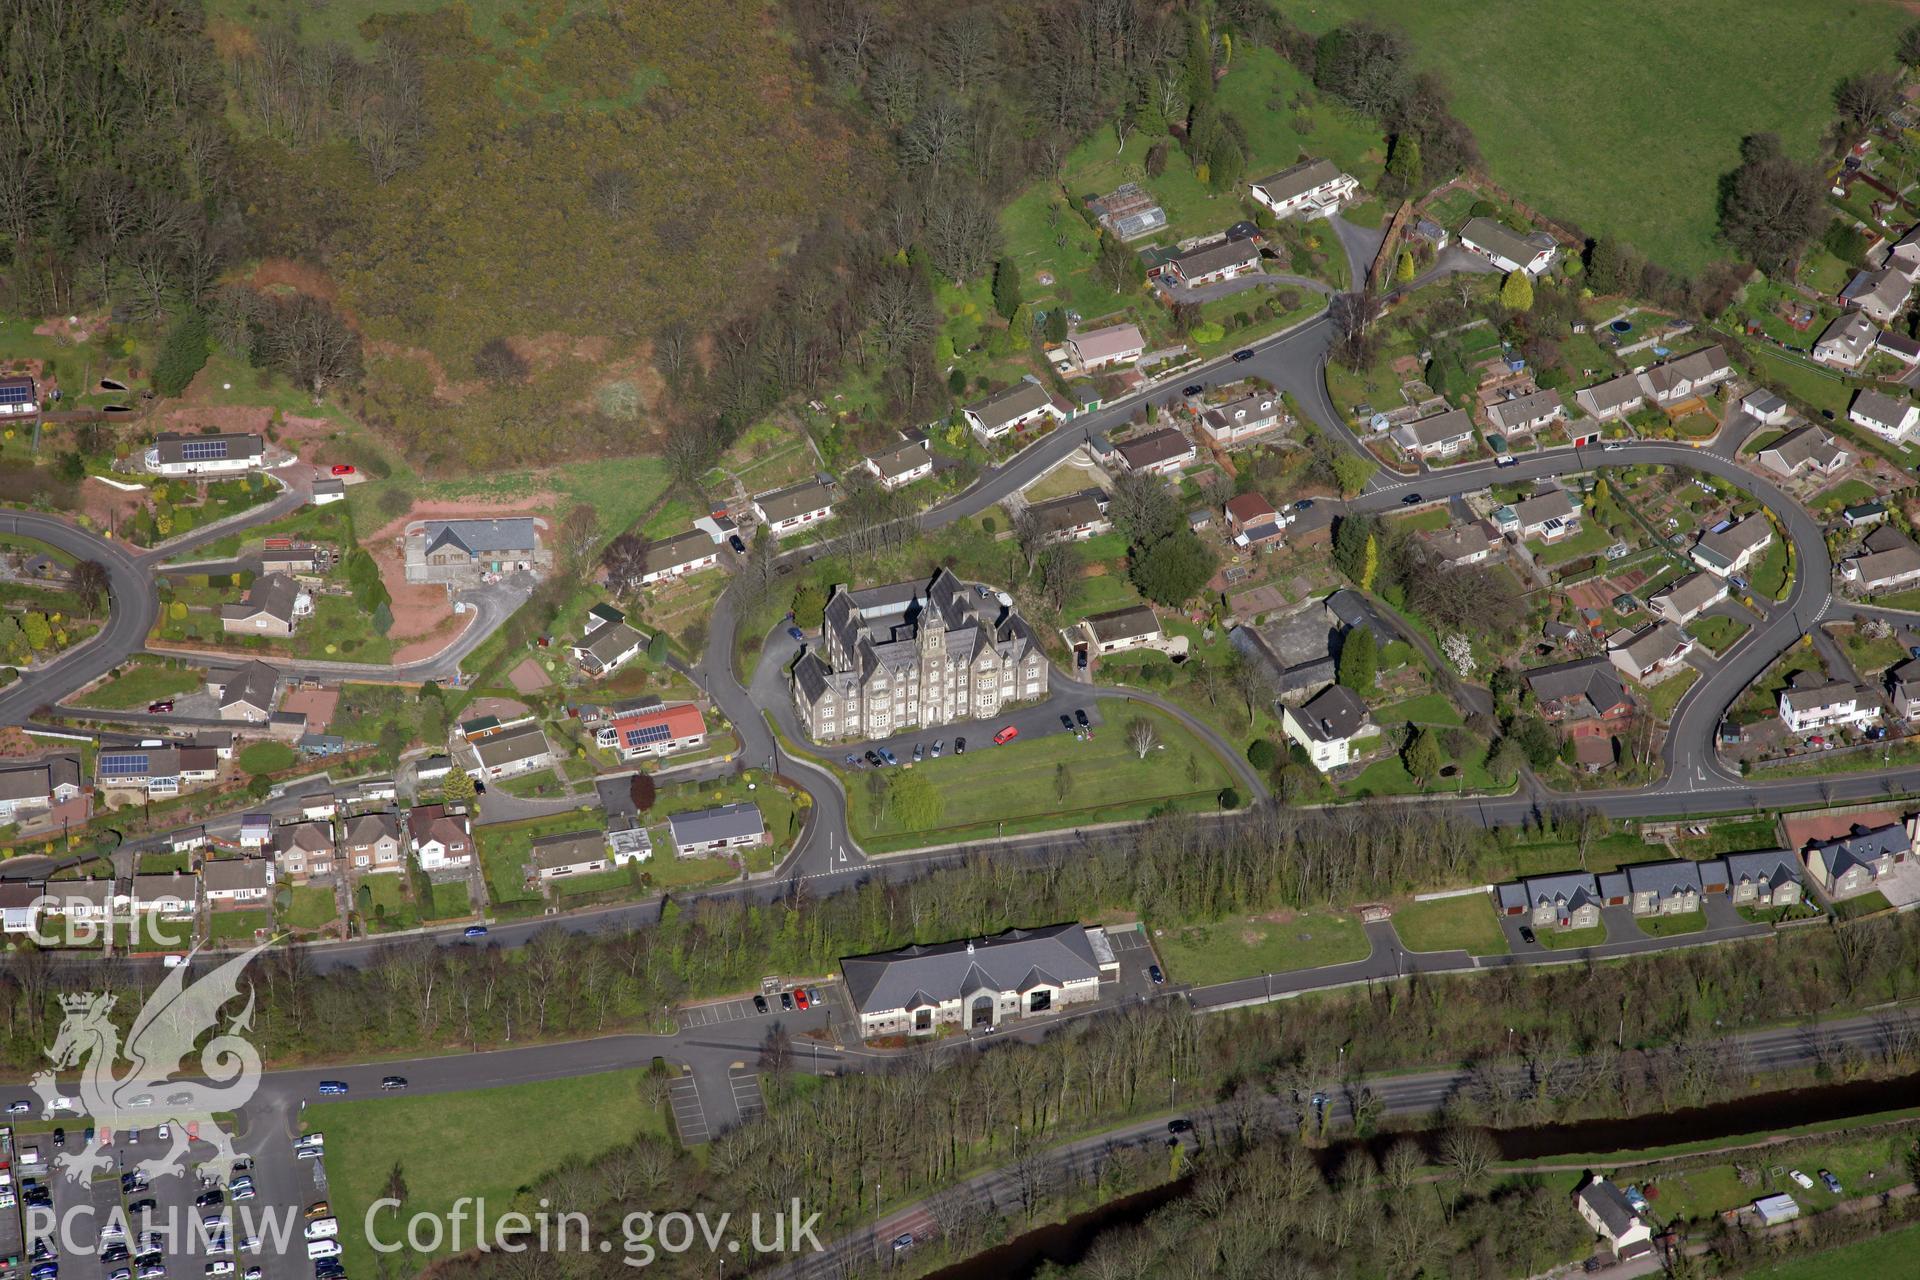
x=1807, y=444
x=171, y=447
x=898, y=461
x=727, y=822
x=1694, y=592
x=1123, y=624
x=794, y=500
x=1334, y=714
x=1156, y=447
x=1007, y=404
x=1297, y=180
x=1586, y=685
x=1431, y=430
x=251, y=685
x=1017, y=960
x=1877, y=406
x=1664, y=879
x=226, y=875
x=681, y=549
x=483, y=537
x=510, y=746
x=1217, y=257
x=1497, y=237
x=1506, y=415
x=1610, y=1205
x=272, y=594
x=549, y=853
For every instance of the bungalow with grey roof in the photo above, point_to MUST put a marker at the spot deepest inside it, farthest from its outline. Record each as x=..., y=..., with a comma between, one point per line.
x=1888, y=561
x=1615, y=398
x=1881, y=294
x=678, y=556
x=1887, y=417
x=1010, y=409
x=900, y=466
x=1651, y=651
x=245, y=693
x=1074, y=518
x=1898, y=345
x=27, y=788
x=1441, y=435
x=1099, y=348
x=463, y=552
x=236, y=882
x=1121, y=629
x=1550, y=515
x=1460, y=544
x=1525, y=414
x=1689, y=597
x=1508, y=249
x=270, y=607
x=222, y=454
x=1805, y=449
x=509, y=752
x=978, y=983
x=1239, y=420
x=797, y=506
x=1311, y=188
x=608, y=646
x=728, y=826
x=1158, y=453
x=1210, y=264
x=574, y=853
x=1730, y=550
x=1664, y=888
x=1688, y=377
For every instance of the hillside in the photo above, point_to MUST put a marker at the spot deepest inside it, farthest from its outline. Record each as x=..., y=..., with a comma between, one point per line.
x=507, y=198
x=1623, y=117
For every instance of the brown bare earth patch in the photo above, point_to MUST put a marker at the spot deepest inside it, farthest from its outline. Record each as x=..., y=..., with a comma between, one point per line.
x=1829, y=826
x=230, y=39
x=318, y=705
x=433, y=642
x=528, y=677
x=543, y=351
x=503, y=708
x=445, y=387
x=106, y=506
x=420, y=609
x=15, y=742
x=301, y=277
x=1282, y=916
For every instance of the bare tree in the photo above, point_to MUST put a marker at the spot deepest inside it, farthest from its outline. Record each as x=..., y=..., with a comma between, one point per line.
x=1142, y=737
x=899, y=315
x=90, y=583
x=612, y=191
x=1469, y=1153
x=963, y=234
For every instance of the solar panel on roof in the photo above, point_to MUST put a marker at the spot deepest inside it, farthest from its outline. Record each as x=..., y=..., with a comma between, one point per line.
x=650, y=733
x=16, y=393
x=203, y=450
x=123, y=766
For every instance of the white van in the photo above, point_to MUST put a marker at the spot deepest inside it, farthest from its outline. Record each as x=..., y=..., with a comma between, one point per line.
x=174, y=960
x=323, y=1229
x=318, y=1249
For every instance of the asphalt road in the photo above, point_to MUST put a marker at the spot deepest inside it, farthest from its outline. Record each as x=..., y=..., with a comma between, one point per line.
x=135, y=600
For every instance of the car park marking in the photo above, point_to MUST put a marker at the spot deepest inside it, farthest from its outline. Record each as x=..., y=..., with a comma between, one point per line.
x=689, y=1117
x=747, y=1099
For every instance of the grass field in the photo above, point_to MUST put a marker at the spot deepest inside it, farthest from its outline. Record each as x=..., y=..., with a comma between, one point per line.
x=1847, y=493
x=504, y=846
x=1875, y=1256
x=1428, y=708
x=1451, y=924
x=267, y=757
x=544, y=1124
x=1015, y=783
x=1245, y=946
x=1773, y=575
x=1665, y=696
x=140, y=683
x=1621, y=74
x=1716, y=631
x=1671, y=926
x=233, y=928
x=312, y=908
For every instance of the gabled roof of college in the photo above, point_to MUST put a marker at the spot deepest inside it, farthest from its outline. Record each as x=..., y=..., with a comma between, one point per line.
x=794, y=500
x=1521, y=410
x=218, y=875
x=726, y=822
x=1217, y=257
x=1502, y=239
x=522, y=742
x=1334, y=714
x=682, y=548
x=250, y=685
x=171, y=446
x=568, y=849
x=483, y=537
x=1123, y=624
x=271, y=593
x=1017, y=401
x=901, y=459
x=1298, y=179
x=1807, y=444
x=1595, y=679
x=1155, y=447
x=1017, y=960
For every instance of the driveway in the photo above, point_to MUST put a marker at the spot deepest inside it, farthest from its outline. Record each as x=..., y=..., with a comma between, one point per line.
x=1241, y=284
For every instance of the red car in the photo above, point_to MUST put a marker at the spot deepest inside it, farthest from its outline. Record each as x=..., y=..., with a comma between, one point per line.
x=164, y=704
x=801, y=998
x=1007, y=734
x=342, y=469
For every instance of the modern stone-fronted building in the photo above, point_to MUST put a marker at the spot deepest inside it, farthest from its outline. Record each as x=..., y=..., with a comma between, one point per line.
x=912, y=655
x=919, y=990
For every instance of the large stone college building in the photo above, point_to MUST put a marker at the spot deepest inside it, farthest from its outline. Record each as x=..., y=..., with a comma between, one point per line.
x=914, y=655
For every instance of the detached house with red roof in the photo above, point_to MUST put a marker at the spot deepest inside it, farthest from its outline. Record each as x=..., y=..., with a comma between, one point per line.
x=660, y=731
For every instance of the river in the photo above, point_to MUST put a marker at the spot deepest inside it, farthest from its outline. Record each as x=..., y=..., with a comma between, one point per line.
x=1066, y=1243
